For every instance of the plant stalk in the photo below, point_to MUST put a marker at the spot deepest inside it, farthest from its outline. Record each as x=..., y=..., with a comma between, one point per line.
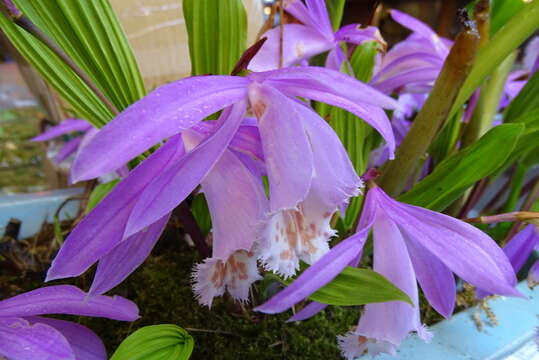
x=434, y=114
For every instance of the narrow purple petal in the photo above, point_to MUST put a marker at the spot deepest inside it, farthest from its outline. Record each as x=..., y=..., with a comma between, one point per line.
x=356, y=34
x=169, y=188
x=436, y=280
x=419, y=28
x=19, y=340
x=68, y=299
x=335, y=179
x=299, y=43
x=103, y=228
x=317, y=275
x=65, y=127
x=485, y=265
x=406, y=62
x=319, y=15
x=288, y=155
x=520, y=247
x=327, y=80
x=69, y=148
x=84, y=342
x=165, y=112
x=246, y=140
x=372, y=115
x=230, y=182
x=308, y=311
x=418, y=76
x=299, y=10
x=128, y=255
x=391, y=321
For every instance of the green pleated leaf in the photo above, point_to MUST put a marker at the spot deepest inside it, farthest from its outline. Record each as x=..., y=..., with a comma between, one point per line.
x=84, y=102
x=217, y=31
x=453, y=176
x=99, y=193
x=357, y=137
x=335, y=10
x=90, y=33
x=355, y=286
x=156, y=342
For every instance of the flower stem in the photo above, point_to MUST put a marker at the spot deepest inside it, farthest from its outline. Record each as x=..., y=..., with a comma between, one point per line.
x=434, y=114
x=183, y=212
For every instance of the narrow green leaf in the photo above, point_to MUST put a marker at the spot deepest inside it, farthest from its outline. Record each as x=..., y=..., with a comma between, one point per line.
x=217, y=32
x=507, y=39
x=165, y=341
x=99, y=194
x=355, y=286
x=85, y=103
x=356, y=136
x=335, y=9
x=458, y=172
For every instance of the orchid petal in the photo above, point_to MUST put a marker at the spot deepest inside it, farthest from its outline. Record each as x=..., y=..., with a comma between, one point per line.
x=435, y=278
x=65, y=127
x=288, y=156
x=246, y=140
x=68, y=299
x=308, y=311
x=236, y=274
x=418, y=76
x=324, y=80
x=317, y=275
x=419, y=28
x=85, y=344
x=335, y=59
x=335, y=179
x=69, y=148
x=372, y=115
x=319, y=15
x=19, y=340
x=531, y=55
x=102, y=229
x=485, y=265
x=171, y=187
x=519, y=248
x=120, y=262
x=356, y=34
x=299, y=42
x=391, y=321
x=166, y=111
x=230, y=182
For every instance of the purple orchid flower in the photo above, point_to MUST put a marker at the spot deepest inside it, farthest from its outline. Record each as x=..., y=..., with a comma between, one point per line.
x=65, y=127
x=410, y=244
x=312, y=37
x=518, y=250
x=304, y=189
x=26, y=335
x=413, y=64
x=101, y=235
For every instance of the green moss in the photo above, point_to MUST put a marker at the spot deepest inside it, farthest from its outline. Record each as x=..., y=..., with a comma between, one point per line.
x=161, y=288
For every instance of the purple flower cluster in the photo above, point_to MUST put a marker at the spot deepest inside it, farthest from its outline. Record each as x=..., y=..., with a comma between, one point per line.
x=266, y=130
